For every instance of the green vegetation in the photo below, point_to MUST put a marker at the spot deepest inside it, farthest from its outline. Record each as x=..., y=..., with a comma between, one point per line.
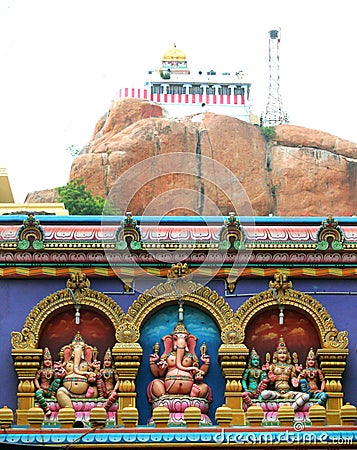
x=81, y=202
x=268, y=132
x=74, y=150
x=165, y=75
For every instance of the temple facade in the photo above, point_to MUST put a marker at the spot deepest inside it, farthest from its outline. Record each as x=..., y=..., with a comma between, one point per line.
x=115, y=327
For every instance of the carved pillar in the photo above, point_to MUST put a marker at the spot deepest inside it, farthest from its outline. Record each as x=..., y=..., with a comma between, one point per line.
x=333, y=363
x=232, y=357
x=26, y=363
x=127, y=354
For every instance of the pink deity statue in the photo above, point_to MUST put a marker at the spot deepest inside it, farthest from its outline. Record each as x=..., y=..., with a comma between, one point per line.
x=177, y=370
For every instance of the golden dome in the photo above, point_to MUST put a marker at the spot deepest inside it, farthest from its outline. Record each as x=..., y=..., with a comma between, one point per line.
x=174, y=54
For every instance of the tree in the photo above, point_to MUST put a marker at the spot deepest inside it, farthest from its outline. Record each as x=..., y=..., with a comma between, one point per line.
x=81, y=202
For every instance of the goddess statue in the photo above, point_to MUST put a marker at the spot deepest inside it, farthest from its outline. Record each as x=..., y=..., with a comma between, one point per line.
x=312, y=380
x=284, y=378
x=108, y=380
x=254, y=379
x=47, y=380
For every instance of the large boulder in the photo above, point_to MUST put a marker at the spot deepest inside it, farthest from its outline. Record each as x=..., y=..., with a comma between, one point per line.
x=298, y=172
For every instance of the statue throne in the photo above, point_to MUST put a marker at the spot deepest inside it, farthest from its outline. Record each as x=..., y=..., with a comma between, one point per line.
x=177, y=404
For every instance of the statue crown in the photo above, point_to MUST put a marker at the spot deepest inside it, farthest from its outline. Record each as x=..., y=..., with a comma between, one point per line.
x=180, y=328
x=108, y=354
x=253, y=354
x=47, y=353
x=78, y=339
x=281, y=343
x=311, y=354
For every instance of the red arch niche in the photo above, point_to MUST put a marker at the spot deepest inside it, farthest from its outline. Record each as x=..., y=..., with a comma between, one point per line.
x=263, y=332
x=96, y=329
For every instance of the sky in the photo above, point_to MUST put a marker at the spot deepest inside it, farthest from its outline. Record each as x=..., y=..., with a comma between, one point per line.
x=63, y=61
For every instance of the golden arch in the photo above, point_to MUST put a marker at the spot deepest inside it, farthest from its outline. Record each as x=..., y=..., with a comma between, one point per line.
x=29, y=336
x=196, y=294
x=330, y=337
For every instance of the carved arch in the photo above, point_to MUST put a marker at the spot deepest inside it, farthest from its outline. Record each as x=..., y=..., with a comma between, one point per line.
x=29, y=336
x=330, y=337
x=192, y=293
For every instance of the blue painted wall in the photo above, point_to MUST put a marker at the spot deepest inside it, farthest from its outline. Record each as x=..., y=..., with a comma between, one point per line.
x=19, y=296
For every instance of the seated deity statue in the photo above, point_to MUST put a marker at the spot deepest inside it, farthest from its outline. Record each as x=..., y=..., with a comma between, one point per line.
x=283, y=377
x=47, y=380
x=177, y=370
x=81, y=368
x=177, y=373
x=254, y=379
x=312, y=380
x=108, y=380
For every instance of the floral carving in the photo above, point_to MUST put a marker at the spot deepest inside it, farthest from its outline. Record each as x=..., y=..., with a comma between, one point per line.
x=127, y=332
x=25, y=339
x=232, y=334
x=232, y=236
x=128, y=234
x=189, y=291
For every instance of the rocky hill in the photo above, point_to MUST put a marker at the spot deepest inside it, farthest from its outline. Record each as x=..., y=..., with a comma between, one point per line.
x=298, y=172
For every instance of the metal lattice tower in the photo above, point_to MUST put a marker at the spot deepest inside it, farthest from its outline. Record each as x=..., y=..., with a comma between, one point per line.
x=274, y=113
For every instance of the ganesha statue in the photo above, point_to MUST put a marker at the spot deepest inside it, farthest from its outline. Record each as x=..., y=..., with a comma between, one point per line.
x=80, y=368
x=178, y=381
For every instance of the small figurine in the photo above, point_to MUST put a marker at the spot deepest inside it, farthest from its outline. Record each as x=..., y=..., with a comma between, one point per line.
x=108, y=380
x=47, y=380
x=312, y=380
x=254, y=379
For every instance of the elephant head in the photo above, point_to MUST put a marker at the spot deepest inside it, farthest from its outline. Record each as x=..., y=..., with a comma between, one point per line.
x=182, y=342
x=80, y=353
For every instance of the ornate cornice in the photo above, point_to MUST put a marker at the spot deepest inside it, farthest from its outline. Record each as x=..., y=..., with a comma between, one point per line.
x=84, y=244
x=223, y=272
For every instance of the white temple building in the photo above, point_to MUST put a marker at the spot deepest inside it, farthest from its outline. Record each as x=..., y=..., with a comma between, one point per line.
x=182, y=93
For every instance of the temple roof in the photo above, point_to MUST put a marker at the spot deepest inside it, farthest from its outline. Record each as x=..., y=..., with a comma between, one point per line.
x=174, y=54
